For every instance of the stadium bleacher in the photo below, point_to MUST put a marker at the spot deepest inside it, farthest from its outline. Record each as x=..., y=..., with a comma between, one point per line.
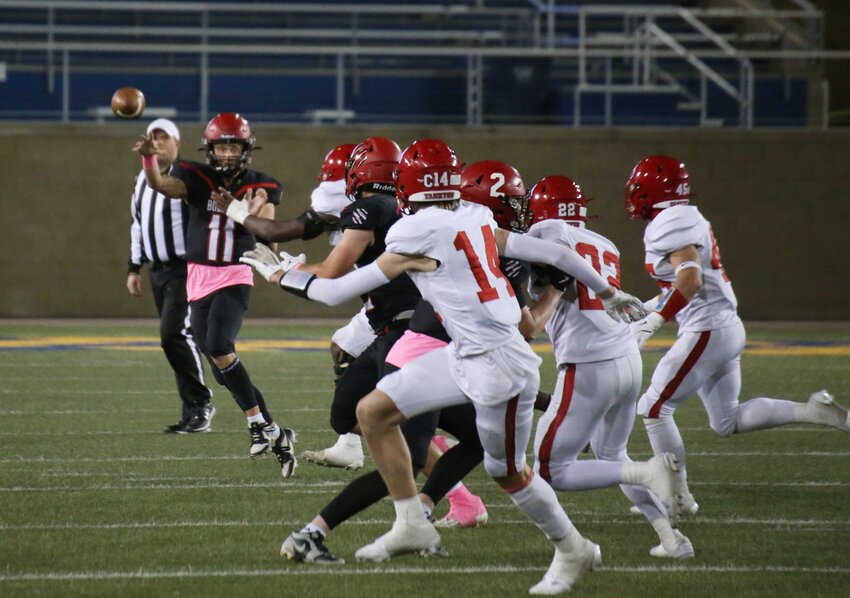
x=284, y=61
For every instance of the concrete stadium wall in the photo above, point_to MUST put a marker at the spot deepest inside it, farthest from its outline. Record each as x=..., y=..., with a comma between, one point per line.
x=776, y=199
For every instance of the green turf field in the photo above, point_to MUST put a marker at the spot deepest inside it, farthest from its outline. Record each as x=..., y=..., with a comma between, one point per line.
x=96, y=500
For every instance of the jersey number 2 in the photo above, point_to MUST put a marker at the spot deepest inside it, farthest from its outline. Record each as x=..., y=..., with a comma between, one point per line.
x=609, y=260
x=487, y=292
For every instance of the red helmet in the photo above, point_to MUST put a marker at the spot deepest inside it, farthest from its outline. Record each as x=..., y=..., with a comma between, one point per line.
x=229, y=127
x=372, y=166
x=558, y=198
x=428, y=152
x=333, y=168
x=499, y=187
x=423, y=184
x=657, y=182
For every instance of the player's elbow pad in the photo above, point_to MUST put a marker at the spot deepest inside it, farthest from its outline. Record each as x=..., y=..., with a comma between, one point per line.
x=313, y=225
x=333, y=291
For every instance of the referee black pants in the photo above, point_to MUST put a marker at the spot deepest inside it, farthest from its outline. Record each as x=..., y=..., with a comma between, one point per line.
x=168, y=284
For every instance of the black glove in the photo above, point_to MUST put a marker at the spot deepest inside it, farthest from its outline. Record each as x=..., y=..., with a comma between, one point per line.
x=546, y=274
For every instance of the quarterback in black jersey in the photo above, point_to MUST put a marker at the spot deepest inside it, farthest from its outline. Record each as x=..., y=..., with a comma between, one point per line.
x=218, y=286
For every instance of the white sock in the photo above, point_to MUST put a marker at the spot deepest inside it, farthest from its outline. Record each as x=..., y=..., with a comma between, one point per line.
x=349, y=440
x=310, y=528
x=539, y=503
x=761, y=413
x=426, y=509
x=646, y=501
x=665, y=438
x=256, y=419
x=409, y=511
x=587, y=474
x=569, y=543
x=665, y=532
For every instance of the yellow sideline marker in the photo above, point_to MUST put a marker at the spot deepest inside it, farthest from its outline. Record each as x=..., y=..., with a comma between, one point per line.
x=150, y=343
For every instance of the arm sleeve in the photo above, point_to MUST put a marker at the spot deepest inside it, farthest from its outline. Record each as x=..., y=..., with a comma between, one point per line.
x=566, y=260
x=333, y=291
x=134, y=264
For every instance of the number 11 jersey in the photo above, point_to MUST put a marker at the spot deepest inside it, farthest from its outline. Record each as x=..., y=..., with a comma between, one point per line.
x=213, y=239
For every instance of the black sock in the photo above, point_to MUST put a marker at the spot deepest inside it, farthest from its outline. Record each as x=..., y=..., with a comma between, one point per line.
x=450, y=469
x=360, y=493
x=238, y=382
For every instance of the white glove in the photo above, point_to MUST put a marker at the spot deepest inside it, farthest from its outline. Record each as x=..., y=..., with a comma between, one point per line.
x=238, y=211
x=624, y=307
x=289, y=261
x=263, y=260
x=643, y=329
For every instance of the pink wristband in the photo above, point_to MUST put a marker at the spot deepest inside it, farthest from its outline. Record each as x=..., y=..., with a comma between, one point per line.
x=149, y=162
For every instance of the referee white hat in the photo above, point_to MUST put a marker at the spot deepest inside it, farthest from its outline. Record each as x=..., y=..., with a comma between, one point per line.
x=163, y=124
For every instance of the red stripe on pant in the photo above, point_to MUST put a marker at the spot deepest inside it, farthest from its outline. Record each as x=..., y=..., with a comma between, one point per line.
x=510, y=435
x=545, y=453
x=673, y=385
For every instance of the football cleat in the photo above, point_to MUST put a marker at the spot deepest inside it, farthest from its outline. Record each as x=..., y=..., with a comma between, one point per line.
x=567, y=568
x=402, y=538
x=682, y=549
x=260, y=444
x=179, y=427
x=341, y=454
x=822, y=409
x=465, y=512
x=200, y=420
x=308, y=548
x=660, y=479
x=284, y=449
x=687, y=504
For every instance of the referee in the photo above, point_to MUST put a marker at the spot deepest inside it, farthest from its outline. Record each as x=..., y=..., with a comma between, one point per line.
x=158, y=238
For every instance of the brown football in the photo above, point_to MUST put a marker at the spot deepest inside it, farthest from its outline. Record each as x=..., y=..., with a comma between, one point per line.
x=128, y=102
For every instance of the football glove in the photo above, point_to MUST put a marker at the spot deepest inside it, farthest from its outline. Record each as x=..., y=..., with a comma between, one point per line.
x=645, y=328
x=551, y=275
x=288, y=261
x=624, y=307
x=263, y=260
x=238, y=210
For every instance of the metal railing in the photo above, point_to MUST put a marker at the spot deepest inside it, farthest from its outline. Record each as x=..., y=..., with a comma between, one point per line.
x=642, y=43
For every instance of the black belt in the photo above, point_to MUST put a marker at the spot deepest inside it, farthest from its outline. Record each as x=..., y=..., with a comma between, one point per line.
x=157, y=266
x=401, y=320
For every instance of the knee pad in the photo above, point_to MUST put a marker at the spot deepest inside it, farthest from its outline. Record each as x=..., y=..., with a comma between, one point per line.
x=342, y=360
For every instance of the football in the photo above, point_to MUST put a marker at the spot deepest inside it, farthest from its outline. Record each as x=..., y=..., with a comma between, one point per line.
x=128, y=102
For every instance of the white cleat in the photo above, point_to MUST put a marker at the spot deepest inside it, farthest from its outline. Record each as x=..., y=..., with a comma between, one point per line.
x=687, y=504
x=822, y=409
x=567, y=568
x=402, y=538
x=661, y=480
x=682, y=549
x=339, y=455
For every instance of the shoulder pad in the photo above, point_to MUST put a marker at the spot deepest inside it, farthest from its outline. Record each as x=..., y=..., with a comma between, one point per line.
x=369, y=213
x=673, y=229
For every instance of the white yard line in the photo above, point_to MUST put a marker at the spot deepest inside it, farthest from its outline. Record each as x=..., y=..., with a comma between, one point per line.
x=586, y=518
x=343, y=571
x=308, y=488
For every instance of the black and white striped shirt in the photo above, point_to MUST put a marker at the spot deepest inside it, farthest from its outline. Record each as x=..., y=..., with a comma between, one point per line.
x=158, y=229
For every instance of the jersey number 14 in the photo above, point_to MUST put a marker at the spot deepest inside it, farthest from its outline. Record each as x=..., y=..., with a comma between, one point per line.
x=487, y=292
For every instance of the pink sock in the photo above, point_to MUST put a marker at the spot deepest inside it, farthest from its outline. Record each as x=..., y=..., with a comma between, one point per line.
x=441, y=443
x=461, y=493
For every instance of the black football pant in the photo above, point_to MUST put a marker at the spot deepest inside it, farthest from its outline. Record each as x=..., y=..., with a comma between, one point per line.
x=216, y=320
x=168, y=285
